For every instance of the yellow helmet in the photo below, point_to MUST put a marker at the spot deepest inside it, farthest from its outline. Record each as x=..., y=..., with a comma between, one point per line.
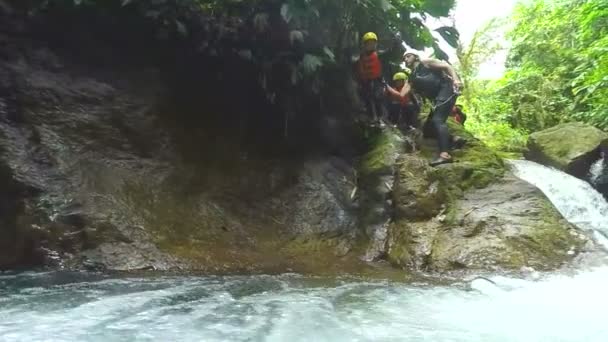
x=400, y=76
x=370, y=36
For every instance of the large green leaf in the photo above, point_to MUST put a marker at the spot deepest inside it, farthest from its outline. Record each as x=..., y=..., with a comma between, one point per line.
x=439, y=53
x=438, y=8
x=450, y=35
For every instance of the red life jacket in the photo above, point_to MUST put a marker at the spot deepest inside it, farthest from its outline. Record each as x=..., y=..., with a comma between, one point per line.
x=404, y=100
x=370, y=67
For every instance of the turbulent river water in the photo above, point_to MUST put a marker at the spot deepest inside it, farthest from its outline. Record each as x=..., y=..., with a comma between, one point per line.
x=564, y=306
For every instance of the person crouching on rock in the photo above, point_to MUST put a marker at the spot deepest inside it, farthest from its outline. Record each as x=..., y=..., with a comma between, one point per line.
x=372, y=84
x=437, y=81
x=403, y=109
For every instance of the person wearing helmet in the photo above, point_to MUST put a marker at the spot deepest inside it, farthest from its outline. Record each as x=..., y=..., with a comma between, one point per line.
x=369, y=74
x=458, y=115
x=437, y=81
x=403, y=108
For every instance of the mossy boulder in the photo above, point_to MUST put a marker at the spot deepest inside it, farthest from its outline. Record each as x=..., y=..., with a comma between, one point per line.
x=473, y=214
x=508, y=225
x=476, y=165
x=376, y=180
x=422, y=191
x=570, y=147
x=418, y=192
x=384, y=146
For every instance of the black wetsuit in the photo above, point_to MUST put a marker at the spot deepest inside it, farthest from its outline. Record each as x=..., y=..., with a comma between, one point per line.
x=437, y=87
x=372, y=93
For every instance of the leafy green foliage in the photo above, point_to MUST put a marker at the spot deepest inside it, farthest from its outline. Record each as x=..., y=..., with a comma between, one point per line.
x=557, y=71
x=558, y=66
x=295, y=56
x=298, y=47
x=342, y=20
x=499, y=136
x=488, y=113
x=484, y=44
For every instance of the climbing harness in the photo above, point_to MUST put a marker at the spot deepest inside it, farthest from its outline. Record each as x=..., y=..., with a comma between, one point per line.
x=434, y=107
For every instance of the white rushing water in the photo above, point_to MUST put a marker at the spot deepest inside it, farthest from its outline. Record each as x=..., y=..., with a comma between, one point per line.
x=575, y=199
x=81, y=307
x=596, y=170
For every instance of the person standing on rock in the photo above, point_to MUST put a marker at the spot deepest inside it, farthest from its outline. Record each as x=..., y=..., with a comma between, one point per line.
x=437, y=81
x=369, y=72
x=371, y=82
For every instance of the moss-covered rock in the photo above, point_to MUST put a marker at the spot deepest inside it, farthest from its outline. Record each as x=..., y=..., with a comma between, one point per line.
x=422, y=191
x=475, y=166
x=507, y=225
x=473, y=214
x=419, y=193
x=411, y=243
x=263, y=217
x=376, y=180
x=570, y=147
x=384, y=146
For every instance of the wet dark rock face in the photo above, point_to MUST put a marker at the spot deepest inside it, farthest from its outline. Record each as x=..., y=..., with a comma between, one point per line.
x=17, y=245
x=67, y=130
x=97, y=171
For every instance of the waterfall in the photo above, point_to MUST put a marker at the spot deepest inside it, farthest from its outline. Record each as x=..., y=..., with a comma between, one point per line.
x=575, y=199
x=596, y=171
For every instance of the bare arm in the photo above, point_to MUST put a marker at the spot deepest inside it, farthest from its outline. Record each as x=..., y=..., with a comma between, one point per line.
x=392, y=91
x=443, y=66
x=407, y=88
x=398, y=95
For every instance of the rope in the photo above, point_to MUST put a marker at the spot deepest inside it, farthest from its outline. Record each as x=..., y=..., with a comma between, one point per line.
x=444, y=102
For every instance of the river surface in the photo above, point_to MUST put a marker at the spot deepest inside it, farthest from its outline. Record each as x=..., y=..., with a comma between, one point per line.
x=565, y=306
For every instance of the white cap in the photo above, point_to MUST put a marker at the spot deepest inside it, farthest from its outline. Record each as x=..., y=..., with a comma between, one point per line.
x=409, y=50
